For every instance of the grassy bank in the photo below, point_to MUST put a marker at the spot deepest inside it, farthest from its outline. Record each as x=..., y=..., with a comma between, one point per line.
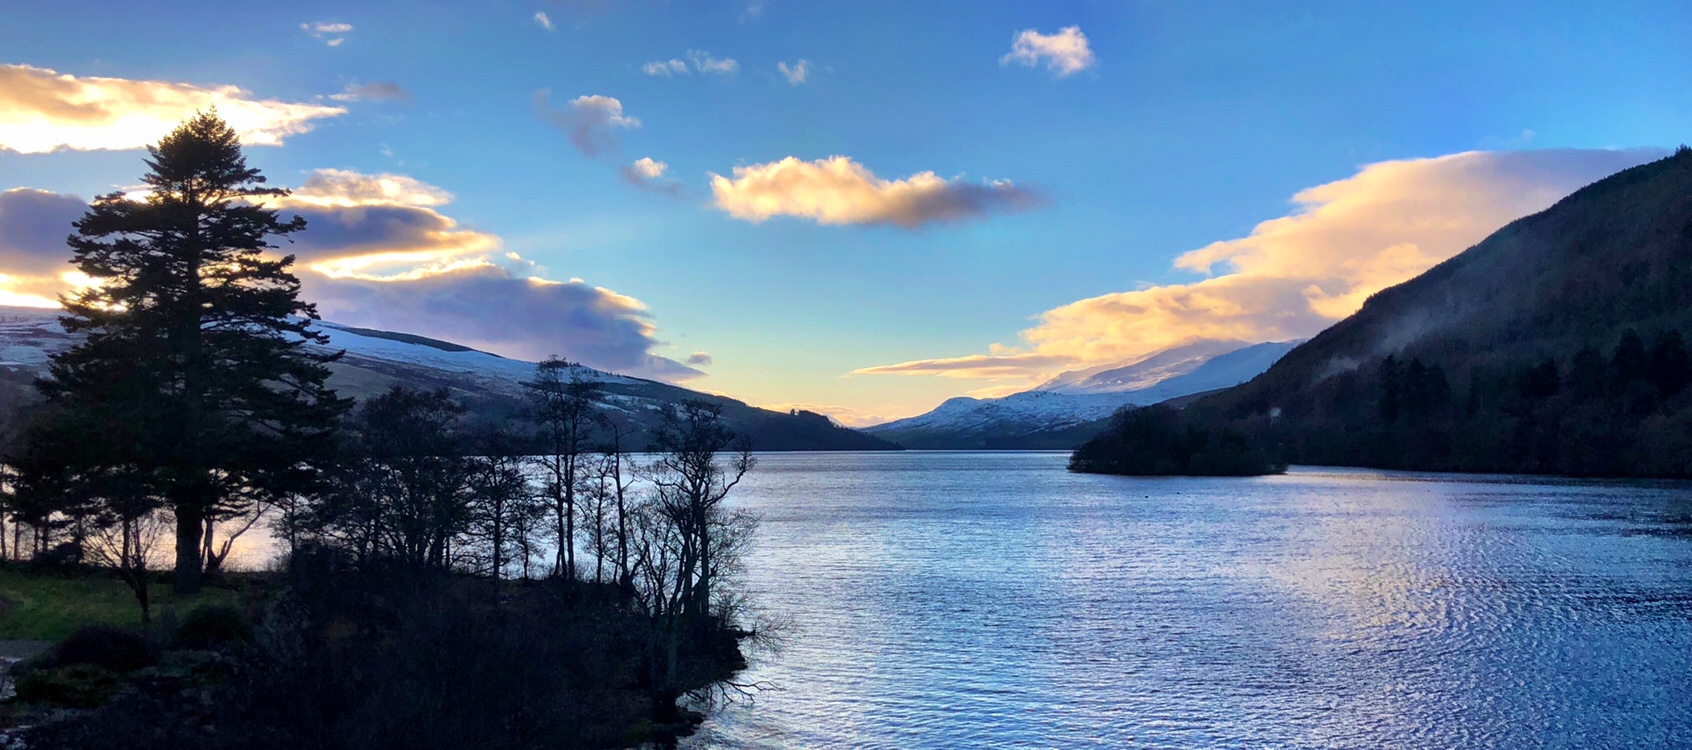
x=49, y=606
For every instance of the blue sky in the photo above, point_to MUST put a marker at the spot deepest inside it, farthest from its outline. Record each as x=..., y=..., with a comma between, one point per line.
x=1192, y=124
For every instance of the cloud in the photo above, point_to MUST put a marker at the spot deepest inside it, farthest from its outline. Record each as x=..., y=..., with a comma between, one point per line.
x=705, y=63
x=838, y=190
x=34, y=259
x=377, y=253
x=591, y=122
x=340, y=187
x=665, y=68
x=1296, y=275
x=972, y=367
x=797, y=73
x=332, y=34
x=381, y=91
x=1065, y=53
x=489, y=308
x=648, y=173
x=699, y=358
x=754, y=10
x=42, y=111
x=542, y=19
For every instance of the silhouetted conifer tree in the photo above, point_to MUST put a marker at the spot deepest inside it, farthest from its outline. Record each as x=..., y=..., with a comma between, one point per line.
x=195, y=338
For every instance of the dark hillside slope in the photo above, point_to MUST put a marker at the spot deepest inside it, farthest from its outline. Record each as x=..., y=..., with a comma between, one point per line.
x=1553, y=346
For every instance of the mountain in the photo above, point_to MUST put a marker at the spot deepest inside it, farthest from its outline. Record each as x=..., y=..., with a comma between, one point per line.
x=488, y=384
x=1555, y=345
x=1068, y=409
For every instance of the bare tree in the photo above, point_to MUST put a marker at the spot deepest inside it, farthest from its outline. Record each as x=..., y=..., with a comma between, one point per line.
x=128, y=529
x=501, y=496
x=564, y=413
x=700, y=459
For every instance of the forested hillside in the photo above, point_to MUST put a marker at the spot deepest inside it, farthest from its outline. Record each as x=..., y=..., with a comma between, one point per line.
x=1556, y=345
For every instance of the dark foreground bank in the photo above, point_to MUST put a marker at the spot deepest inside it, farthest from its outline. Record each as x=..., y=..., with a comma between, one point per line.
x=326, y=655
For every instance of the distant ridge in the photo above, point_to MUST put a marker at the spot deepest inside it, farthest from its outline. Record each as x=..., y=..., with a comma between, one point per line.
x=490, y=385
x=1066, y=410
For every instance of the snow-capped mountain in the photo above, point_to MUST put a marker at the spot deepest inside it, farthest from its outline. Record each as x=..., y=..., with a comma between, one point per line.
x=1065, y=410
x=490, y=385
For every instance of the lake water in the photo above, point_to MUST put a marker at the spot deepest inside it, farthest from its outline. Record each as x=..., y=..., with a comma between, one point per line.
x=952, y=600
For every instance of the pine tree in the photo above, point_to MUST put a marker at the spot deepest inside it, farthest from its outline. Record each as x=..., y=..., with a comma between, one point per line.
x=196, y=338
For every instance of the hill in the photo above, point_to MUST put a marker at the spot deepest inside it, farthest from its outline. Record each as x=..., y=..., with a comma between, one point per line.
x=1553, y=346
x=488, y=384
x=1067, y=410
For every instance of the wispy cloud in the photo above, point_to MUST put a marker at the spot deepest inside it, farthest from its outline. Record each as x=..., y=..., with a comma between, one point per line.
x=42, y=110
x=591, y=121
x=665, y=68
x=701, y=62
x=796, y=73
x=332, y=34
x=709, y=65
x=382, y=91
x=1064, y=53
x=838, y=190
x=1295, y=275
x=544, y=20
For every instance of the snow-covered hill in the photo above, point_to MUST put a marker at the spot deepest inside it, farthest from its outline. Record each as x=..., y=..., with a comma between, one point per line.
x=1056, y=412
x=490, y=385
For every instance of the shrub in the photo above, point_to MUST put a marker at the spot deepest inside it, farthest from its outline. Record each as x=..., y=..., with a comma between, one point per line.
x=211, y=626
x=76, y=686
x=116, y=649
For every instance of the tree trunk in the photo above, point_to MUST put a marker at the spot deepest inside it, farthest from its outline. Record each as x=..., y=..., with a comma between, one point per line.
x=190, y=524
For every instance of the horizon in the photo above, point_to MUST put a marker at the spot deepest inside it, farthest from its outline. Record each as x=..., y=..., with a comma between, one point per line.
x=976, y=206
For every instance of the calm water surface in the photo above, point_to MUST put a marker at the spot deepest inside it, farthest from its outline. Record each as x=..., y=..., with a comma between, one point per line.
x=947, y=600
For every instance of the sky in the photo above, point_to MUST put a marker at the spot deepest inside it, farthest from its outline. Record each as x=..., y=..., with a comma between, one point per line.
x=860, y=208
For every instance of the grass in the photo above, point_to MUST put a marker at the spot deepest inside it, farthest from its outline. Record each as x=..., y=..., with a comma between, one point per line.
x=48, y=606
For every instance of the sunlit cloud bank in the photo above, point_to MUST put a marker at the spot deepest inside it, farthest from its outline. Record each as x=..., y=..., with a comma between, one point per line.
x=1064, y=53
x=377, y=252
x=838, y=190
x=33, y=228
x=42, y=110
x=591, y=122
x=1295, y=275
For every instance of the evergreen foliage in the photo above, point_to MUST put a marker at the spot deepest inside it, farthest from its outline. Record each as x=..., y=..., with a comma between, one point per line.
x=193, y=369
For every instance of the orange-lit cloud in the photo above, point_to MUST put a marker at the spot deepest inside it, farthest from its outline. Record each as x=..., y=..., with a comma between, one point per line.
x=377, y=253
x=1295, y=275
x=1064, y=53
x=838, y=190
x=42, y=111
